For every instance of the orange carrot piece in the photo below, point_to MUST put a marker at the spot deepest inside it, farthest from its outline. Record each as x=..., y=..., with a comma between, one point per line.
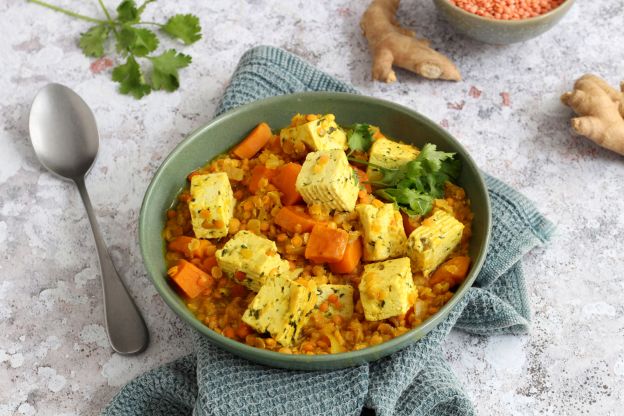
x=378, y=134
x=181, y=245
x=285, y=181
x=229, y=332
x=294, y=219
x=243, y=330
x=275, y=144
x=409, y=224
x=254, y=141
x=200, y=171
x=238, y=291
x=189, y=246
x=209, y=263
x=363, y=177
x=240, y=276
x=326, y=245
x=452, y=271
x=350, y=259
x=187, y=276
x=258, y=173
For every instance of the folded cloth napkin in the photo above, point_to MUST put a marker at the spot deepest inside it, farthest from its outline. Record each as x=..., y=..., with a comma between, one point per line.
x=413, y=381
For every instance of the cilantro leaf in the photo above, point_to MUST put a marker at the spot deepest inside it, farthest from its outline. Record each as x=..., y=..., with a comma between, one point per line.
x=414, y=185
x=409, y=200
x=451, y=168
x=137, y=41
x=184, y=27
x=144, y=5
x=165, y=72
x=127, y=12
x=432, y=157
x=93, y=40
x=360, y=137
x=131, y=79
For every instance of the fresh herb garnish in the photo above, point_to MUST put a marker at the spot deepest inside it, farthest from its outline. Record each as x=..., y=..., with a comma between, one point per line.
x=133, y=42
x=414, y=185
x=360, y=137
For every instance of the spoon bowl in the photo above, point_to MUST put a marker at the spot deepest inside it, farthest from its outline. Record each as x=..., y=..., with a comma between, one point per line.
x=64, y=135
x=63, y=131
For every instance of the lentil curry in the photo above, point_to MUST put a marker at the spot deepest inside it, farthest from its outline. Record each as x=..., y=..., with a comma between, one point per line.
x=300, y=242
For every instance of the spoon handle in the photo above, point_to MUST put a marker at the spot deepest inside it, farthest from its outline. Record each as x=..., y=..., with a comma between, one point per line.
x=125, y=327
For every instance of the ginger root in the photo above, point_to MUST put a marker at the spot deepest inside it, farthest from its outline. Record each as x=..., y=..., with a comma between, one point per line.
x=392, y=44
x=601, y=111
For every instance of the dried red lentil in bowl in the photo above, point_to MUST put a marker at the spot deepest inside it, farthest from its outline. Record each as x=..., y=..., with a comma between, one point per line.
x=508, y=9
x=289, y=248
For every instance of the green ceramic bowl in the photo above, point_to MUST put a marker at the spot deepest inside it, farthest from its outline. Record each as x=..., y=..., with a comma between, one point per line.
x=223, y=132
x=500, y=32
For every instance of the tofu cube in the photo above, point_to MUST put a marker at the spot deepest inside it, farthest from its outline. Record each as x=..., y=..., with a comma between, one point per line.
x=343, y=306
x=282, y=307
x=389, y=154
x=253, y=255
x=383, y=233
x=432, y=242
x=320, y=134
x=327, y=179
x=211, y=205
x=387, y=289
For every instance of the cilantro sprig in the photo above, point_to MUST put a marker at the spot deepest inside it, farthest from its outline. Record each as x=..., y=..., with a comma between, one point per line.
x=360, y=137
x=414, y=185
x=133, y=40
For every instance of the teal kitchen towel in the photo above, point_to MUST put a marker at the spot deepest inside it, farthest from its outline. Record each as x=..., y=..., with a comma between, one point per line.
x=414, y=381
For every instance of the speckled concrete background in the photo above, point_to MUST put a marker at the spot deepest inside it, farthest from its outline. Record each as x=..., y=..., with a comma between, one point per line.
x=54, y=357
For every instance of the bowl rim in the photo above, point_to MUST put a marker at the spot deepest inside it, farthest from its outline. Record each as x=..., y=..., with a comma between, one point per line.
x=336, y=360
x=517, y=22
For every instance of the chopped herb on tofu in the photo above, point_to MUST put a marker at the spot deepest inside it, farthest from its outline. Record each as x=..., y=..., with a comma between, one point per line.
x=320, y=134
x=249, y=259
x=326, y=178
x=431, y=243
x=281, y=308
x=334, y=300
x=383, y=232
x=387, y=289
x=211, y=205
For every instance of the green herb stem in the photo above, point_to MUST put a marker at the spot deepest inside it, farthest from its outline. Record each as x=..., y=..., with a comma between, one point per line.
x=364, y=162
x=67, y=12
x=150, y=23
x=378, y=184
x=108, y=16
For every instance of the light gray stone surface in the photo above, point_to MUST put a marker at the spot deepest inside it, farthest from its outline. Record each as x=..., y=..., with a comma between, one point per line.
x=54, y=357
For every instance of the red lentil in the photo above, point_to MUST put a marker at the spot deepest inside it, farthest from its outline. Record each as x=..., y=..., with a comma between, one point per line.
x=508, y=9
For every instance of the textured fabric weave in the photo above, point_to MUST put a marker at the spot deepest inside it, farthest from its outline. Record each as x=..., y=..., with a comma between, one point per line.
x=415, y=381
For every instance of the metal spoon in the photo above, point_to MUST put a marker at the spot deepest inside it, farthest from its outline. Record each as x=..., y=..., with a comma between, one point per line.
x=64, y=135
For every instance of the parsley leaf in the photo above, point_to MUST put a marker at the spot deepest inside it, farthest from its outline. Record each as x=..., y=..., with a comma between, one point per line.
x=93, y=40
x=360, y=137
x=131, y=79
x=127, y=12
x=414, y=185
x=136, y=41
x=165, y=72
x=184, y=27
